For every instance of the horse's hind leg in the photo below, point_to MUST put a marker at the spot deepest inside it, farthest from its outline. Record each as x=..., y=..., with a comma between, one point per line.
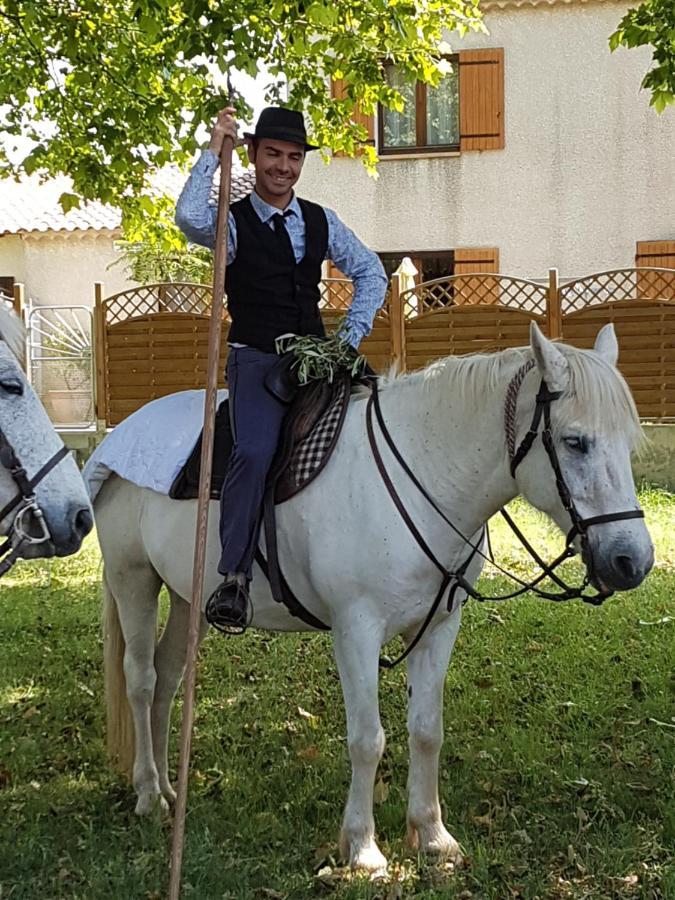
x=169, y=665
x=135, y=586
x=427, y=667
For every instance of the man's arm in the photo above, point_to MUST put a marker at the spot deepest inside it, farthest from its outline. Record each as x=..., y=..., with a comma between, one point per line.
x=195, y=214
x=363, y=266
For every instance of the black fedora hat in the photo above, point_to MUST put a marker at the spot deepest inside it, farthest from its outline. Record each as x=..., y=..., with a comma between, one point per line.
x=281, y=124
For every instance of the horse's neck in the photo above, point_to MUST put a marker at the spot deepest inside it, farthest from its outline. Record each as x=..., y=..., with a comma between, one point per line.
x=456, y=450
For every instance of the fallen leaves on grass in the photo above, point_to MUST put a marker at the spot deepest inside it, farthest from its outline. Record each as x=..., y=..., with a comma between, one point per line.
x=310, y=717
x=309, y=754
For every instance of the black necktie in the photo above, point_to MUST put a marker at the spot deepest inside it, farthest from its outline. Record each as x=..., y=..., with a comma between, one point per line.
x=281, y=232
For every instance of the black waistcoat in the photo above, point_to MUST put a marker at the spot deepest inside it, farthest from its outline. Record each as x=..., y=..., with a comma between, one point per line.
x=268, y=293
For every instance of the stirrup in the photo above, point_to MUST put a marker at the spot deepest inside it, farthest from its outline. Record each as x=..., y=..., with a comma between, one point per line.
x=229, y=609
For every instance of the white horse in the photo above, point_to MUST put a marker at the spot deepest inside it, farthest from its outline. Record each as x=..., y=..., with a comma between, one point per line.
x=347, y=553
x=44, y=505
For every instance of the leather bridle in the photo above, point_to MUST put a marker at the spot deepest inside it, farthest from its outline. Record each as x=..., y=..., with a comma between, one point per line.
x=25, y=504
x=455, y=578
x=580, y=525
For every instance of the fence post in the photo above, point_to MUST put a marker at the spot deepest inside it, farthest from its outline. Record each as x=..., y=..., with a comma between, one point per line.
x=100, y=355
x=397, y=325
x=553, y=307
x=19, y=300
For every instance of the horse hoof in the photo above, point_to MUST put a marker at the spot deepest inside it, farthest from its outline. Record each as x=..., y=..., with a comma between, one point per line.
x=168, y=794
x=436, y=842
x=370, y=860
x=148, y=803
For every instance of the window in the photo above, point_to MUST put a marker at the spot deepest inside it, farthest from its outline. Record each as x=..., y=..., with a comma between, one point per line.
x=464, y=113
x=430, y=118
x=430, y=264
x=7, y=293
x=7, y=285
x=437, y=264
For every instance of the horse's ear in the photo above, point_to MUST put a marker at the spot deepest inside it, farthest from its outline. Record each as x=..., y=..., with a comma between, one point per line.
x=606, y=344
x=552, y=365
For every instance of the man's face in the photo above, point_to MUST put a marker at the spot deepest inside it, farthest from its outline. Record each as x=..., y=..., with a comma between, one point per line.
x=277, y=166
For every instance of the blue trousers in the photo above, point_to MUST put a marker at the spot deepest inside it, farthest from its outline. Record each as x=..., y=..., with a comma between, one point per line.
x=256, y=418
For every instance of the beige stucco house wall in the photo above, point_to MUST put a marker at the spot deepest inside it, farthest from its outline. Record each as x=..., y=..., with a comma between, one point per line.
x=60, y=268
x=57, y=256
x=588, y=167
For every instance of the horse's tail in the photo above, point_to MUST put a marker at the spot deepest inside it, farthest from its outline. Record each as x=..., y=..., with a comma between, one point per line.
x=120, y=726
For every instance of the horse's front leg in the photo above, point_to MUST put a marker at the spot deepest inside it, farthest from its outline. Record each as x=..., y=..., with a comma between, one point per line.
x=427, y=665
x=170, y=657
x=357, y=646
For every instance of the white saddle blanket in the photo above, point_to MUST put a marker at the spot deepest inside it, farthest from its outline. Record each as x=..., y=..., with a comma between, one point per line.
x=152, y=445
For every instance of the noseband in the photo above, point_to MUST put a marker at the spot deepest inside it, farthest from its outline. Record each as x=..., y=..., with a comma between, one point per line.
x=24, y=503
x=456, y=578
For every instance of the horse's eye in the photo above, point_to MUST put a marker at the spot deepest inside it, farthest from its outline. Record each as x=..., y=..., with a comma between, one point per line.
x=11, y=386
x=578, y=443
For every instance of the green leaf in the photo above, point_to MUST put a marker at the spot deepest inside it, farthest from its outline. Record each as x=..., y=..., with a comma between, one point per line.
x=69, y=201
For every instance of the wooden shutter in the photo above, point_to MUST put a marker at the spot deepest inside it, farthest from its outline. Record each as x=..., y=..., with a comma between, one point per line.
x=659, y=254
x=656, y=255
x=485, y=259
x=476, y=290
x=481, y=99
x=338, y=90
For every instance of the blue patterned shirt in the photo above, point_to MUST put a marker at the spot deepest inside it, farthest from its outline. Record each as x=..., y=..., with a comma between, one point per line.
x=196, y=218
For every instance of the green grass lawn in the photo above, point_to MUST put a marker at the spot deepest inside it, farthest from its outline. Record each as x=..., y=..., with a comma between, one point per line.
x=557, y=767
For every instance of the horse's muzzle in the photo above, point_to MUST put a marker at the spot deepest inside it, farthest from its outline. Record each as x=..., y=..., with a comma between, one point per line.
x=620, y=567
x=79, y=523
x=66, y=533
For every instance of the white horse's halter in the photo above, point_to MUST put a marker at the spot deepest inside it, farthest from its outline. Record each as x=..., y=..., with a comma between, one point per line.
x=24, y=502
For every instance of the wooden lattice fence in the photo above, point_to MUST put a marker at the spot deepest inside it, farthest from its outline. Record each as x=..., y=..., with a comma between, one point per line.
x=152, y=340
x=468, y=314
x=641, y=304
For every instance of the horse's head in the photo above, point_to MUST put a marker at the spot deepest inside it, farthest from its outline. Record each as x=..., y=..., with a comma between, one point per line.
x=594, y=429
x=28, y=442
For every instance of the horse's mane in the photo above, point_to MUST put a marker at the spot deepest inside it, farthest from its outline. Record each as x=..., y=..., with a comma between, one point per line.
x=12, y=332
x=597, y=397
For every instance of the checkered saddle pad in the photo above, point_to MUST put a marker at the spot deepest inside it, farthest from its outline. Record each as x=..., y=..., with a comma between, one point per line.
x=311, y=431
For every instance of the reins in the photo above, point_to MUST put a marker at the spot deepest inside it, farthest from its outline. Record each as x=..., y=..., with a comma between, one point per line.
x=456, y=577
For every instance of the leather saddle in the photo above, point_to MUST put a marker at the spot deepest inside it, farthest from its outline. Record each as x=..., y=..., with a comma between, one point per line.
x=311, y=430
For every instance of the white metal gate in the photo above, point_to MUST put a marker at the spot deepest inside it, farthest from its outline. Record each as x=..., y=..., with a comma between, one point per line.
x=60, y=362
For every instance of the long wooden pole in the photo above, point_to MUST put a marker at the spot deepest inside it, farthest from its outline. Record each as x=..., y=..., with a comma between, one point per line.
x=215, y=328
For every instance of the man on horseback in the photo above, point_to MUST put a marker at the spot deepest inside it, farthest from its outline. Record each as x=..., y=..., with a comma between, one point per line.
x=276, y=247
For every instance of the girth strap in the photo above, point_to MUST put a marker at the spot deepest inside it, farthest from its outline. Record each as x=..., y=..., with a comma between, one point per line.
x=281, y=592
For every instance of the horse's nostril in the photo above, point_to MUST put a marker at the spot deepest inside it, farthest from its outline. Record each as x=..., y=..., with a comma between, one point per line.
x=83, y=522
x=625, y=567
